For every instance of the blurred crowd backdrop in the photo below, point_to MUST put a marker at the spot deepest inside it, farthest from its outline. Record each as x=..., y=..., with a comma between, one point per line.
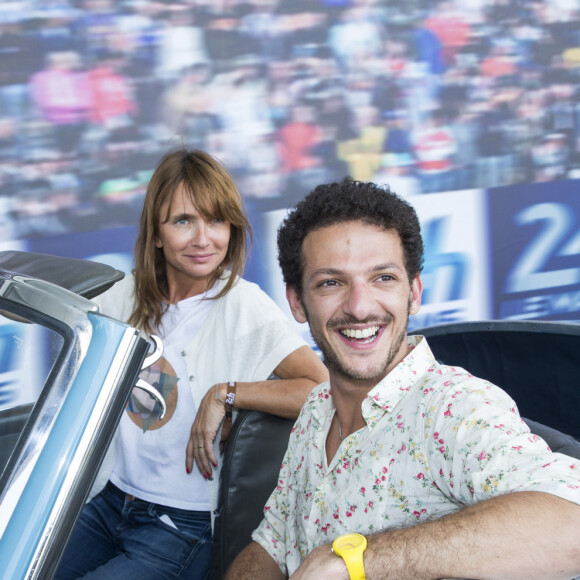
x=469, y=108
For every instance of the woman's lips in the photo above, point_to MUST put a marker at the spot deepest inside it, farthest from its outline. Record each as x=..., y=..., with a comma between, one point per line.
x=199, y=257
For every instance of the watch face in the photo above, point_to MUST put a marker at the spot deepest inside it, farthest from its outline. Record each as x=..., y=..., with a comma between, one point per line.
x=350, y=541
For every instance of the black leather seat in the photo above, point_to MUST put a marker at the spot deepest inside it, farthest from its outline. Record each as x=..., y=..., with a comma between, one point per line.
x=252, y=460
x=258, y=441
x=86, y=278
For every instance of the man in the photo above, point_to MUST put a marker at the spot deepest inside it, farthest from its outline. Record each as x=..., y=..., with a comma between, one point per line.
x=418, y=457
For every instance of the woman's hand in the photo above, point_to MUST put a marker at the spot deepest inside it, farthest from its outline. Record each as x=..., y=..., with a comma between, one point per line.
x=204, y=430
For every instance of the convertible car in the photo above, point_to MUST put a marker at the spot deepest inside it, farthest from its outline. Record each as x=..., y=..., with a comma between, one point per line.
x=67, y=372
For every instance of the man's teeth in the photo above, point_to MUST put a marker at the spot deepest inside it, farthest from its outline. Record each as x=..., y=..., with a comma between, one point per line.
x=360, y=332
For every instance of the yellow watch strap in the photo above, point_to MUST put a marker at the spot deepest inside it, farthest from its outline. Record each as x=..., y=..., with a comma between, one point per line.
x=350, y=547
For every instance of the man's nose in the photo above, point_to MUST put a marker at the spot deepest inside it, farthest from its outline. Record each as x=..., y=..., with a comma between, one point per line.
x=359, y=301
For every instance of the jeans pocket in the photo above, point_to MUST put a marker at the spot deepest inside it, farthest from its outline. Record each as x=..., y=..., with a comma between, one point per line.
x=195, y=526
x=176, y=546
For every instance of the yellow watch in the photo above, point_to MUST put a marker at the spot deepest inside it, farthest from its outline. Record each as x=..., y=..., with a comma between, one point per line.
x=350, y=548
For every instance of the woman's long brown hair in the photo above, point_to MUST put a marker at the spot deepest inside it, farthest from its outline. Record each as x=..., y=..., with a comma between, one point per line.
x=214, y=195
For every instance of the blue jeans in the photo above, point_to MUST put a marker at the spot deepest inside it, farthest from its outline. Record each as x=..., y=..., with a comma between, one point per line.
x=122, y=537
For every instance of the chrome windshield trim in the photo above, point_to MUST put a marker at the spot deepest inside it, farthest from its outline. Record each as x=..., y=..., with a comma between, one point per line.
x=75, y=472
x=71, y=425
x=64, y=308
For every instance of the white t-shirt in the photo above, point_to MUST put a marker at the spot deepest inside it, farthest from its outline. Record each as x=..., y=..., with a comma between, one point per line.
x=151, y=455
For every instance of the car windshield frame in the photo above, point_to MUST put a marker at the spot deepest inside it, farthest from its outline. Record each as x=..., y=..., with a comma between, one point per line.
x=56, y=458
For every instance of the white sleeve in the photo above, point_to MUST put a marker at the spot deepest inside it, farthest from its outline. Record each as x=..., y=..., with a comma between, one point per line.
x=264, y=336
x=117, y=301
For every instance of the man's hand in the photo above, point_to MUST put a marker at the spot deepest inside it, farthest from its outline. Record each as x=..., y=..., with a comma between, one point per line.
x=254, y=562
x=203, y=432
x=321, y=564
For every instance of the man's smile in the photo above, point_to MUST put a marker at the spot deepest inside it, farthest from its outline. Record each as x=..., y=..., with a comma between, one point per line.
x=368, y=334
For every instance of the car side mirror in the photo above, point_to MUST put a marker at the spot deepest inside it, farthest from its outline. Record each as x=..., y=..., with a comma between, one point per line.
x=150, y=359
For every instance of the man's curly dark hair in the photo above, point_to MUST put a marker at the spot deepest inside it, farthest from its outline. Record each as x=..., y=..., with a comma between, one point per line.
x=344, y=201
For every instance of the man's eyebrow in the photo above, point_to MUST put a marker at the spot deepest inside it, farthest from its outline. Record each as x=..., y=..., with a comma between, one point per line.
x=387, y=266
x=338, y=272
x=327, y=272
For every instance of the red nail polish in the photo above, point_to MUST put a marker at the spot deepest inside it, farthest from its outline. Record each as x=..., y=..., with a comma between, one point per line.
x=188, y=470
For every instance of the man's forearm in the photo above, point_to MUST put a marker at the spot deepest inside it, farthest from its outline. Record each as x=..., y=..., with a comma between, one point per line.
x=254, y=562
x=524, y=535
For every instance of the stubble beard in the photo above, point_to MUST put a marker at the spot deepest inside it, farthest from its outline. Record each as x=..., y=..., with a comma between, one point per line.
x=339, y=367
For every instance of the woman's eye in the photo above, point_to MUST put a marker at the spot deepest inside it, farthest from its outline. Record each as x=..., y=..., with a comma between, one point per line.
x=180, y=221
x=218, y=220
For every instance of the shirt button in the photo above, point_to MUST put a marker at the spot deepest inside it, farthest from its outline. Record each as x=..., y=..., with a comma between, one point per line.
x=183, y=353
x=191, y=377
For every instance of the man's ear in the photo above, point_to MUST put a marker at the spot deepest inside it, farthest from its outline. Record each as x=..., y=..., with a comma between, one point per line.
x=415, y=295
x=296, y=304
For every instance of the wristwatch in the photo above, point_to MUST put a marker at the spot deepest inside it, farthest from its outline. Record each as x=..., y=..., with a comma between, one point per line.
x=350, y=548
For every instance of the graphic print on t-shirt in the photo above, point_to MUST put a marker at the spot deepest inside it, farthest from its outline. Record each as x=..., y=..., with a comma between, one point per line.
x=143, y=409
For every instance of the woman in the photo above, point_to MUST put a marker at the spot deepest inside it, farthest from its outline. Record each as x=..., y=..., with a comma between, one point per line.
x=222, y=337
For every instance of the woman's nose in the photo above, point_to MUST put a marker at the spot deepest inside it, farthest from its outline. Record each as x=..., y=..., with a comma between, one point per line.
x=199, y=235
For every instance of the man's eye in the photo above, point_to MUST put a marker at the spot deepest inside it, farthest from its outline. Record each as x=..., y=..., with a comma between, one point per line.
x=326, y=283
x=385, y=277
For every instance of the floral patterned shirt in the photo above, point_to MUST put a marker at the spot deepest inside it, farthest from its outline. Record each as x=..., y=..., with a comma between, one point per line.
x=436, y=439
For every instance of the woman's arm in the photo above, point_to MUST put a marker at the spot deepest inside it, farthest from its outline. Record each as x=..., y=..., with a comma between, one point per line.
x=297, y=375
